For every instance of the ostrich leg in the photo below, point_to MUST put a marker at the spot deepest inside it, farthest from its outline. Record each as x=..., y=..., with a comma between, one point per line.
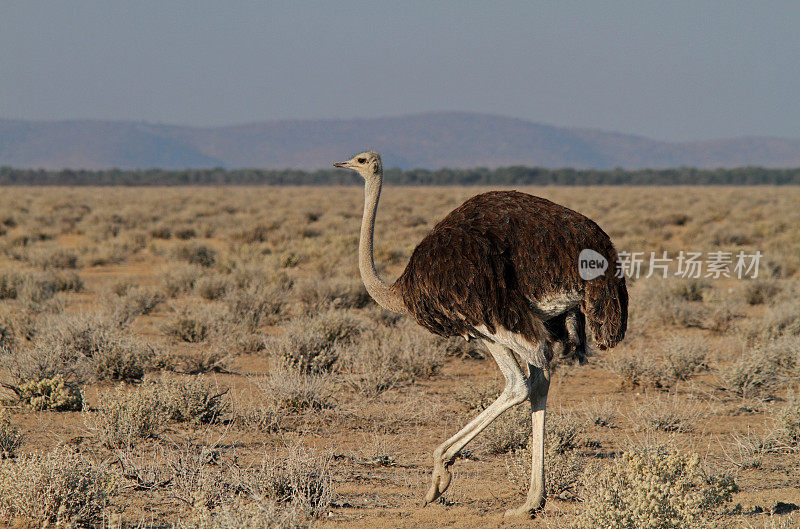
x=517, y=389
x=540, y=384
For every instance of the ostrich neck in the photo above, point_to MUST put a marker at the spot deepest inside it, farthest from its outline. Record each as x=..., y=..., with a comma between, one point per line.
x=383, y=294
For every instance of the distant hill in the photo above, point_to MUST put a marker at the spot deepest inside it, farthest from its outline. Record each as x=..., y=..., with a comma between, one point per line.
x=431, y=141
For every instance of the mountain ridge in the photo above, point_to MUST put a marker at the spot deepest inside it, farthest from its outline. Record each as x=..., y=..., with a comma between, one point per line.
x=430, y=140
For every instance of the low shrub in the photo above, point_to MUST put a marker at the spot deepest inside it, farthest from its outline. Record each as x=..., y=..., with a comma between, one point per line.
x=508, y=432
x=55, y=489
x=786, y=431
x=50, y=394
x=761, y=370
x=665, y=414
x=649, y=489
x=289, y=388
x=52, y=257
x=134, y=302
x=126, y=416
x=779, y=321
x=301, y=477
x=180, y=278
x=758, y=292
x=310, y=343
x=600, y=413
x=10, y=436
x=385, y=357
x=564, y=473
x=191, y=399
x=82, y=347
x=317, y=295
x=683, y=357
x=198, y=254
x=194, y=325
x=562, y=432
x=213, y=287
x=256, y=306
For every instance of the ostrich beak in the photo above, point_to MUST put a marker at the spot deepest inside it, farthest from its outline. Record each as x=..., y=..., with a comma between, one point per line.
x=343, y=165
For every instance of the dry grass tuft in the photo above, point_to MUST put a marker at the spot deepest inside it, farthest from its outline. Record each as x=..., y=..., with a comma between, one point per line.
x=310, y=343
x=669, y=414
x=290, y=389
x=385, y=357
x=10, y=436
x=762, y=370
x=127, y=415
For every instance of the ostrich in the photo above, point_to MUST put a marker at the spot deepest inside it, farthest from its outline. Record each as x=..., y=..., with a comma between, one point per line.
x=503, y=268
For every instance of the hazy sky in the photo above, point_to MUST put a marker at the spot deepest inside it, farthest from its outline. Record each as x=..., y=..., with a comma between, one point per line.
x=668, y=70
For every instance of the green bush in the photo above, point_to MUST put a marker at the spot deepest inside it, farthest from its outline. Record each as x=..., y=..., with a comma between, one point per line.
x=653, y=489
x=50, y=394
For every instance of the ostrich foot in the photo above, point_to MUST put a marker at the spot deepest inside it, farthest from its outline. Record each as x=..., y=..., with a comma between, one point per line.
x=440, y=480
x=528, y=509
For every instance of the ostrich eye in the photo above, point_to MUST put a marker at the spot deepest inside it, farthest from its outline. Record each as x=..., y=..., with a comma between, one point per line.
x=362, y=160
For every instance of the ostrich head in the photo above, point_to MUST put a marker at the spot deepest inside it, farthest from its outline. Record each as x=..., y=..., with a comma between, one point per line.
x=367, y=164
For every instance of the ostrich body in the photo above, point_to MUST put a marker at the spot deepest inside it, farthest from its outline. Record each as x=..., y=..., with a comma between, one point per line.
x=502, y=267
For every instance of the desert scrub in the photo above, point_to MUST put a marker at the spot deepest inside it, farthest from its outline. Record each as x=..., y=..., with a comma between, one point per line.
x=256, y=306
x=244, y=514
x=786, y=430
x=299, y=476
x=679, y=359
x=10, y=436
x=135, y=301
x=317, y=295
x=119, y=357
x=563, y=473
x=689, y=290
x=37, y=287
x=310, y=342
x=563, y=431
x=683, y=357
x=285, y=491
x=600, y=413
x=290, y=389
x=180, y=278
x=81, y=347
x=668, y=414
x=758, y=292
x=51, y=257
x=761, y=370
x=198, y=254
x=651, y=489
x=57, y=488
x=508, y=432
x=633, y=368
x=384, y=357
x=191, y=399
x=194, y=325
x=778, y=321
x=213, y=287
x=48, y=394
x=10, y=282
x=125, y=416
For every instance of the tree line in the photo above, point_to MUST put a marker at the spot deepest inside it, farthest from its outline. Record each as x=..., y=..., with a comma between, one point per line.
x=516, y=175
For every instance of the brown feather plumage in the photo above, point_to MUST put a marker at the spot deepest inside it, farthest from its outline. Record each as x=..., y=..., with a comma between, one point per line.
x=490, y=260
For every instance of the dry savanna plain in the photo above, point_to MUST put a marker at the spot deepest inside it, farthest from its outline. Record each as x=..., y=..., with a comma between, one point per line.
x=208, y=357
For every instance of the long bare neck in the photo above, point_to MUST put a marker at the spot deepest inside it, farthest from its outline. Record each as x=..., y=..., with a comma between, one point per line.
x=386, y=296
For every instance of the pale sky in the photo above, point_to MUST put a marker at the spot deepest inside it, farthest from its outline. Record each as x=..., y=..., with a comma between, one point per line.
x=667, y=70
